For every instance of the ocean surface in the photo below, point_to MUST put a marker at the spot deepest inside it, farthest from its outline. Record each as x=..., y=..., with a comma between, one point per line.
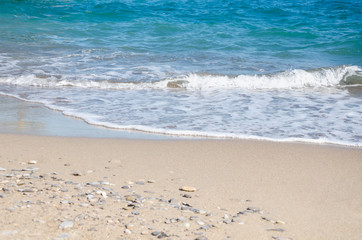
x=277, y=70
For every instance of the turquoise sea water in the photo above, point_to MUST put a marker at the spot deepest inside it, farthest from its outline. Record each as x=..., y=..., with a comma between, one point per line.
x=279, y=70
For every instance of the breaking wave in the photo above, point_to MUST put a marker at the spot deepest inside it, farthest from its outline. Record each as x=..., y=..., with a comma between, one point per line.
x=291, y=79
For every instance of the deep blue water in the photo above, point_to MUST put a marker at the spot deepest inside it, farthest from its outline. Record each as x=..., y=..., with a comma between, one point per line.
x=282, y=70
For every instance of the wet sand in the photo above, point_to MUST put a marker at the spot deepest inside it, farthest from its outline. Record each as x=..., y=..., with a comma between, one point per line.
x=20, y=117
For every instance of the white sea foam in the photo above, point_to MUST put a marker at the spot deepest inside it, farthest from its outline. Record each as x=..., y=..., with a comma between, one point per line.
x=284, y=117
x=293, y=79
x=96, y=120
x=280, y=109
x=187, y=133
x=325, y=77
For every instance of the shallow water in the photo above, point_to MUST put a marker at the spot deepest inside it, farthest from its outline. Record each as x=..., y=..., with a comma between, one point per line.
x=279, y=70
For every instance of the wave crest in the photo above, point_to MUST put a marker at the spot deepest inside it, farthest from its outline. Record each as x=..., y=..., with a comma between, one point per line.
x=292, y=79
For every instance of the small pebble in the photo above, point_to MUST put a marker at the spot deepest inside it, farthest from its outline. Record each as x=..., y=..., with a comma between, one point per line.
x=187, y=189
x=77, y=174
x=66, y=224
x=32, y=162
x=30, y=169
x=276, y=229
x=201, y=223
x=253, y=209
x=200, y=211
x=102, y=193
x=104, y=182
x=237, y=221
x=205, y=227
x=193, y=217
x=186, y=195
x=268, y=219
x=38, y=221
x=130, y=198
x=162, y=235
x=155, y=233
x=227, y=221
x=129, y=226
x=127, y=231
x=26, y=190
x=201, y=238
x=94, y=184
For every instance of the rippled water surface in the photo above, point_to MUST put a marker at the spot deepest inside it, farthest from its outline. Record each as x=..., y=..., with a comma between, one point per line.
x=279, y=70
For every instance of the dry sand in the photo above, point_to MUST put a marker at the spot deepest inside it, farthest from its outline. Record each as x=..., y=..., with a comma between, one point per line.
x=245, y=189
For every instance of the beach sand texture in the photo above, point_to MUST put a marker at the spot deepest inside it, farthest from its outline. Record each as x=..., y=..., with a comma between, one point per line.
x=83, y=188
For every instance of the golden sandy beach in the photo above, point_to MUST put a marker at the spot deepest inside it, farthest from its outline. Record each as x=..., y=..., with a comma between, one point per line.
x=87, y=188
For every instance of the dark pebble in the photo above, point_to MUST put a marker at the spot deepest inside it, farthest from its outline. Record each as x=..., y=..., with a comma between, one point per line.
x=186, y=195
x=186, y=204
x=162, y=235
x=201, y=238
x=155, y=233
x=253, y=209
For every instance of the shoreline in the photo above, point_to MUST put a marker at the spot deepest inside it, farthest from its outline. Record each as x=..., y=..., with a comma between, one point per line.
x=23, y=117
x=31, y=118
x=298, y=191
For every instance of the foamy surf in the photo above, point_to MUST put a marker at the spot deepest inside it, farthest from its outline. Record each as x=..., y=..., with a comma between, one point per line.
x=291, y=79
x=239, y=118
